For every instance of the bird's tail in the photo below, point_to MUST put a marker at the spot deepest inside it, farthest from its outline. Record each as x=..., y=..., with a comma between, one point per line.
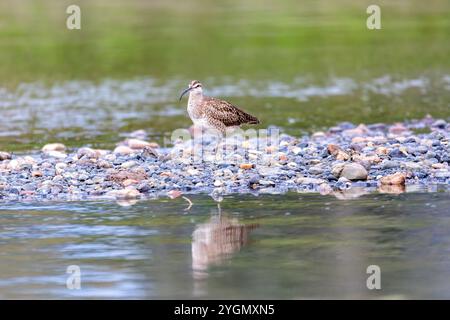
x=252, y=120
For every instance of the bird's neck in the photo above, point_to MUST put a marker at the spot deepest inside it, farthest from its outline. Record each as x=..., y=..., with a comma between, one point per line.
x=194, y=98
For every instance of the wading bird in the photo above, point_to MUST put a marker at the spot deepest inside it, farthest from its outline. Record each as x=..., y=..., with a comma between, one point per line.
x=212, y=113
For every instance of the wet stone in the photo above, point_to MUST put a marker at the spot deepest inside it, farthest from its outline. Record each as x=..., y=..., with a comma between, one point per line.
x=441, y=124
x=5, y=156
x=344, y=158
x=396, y=153
x=354, y=171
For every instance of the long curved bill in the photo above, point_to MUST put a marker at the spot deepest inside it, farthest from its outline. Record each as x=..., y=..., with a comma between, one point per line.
x=184, y=92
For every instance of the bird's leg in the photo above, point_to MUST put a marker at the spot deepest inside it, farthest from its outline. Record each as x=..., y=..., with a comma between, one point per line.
x=215, y=132
x=219, y=210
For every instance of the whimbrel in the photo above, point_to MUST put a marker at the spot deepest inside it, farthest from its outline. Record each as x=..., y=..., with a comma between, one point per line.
x=214, y=113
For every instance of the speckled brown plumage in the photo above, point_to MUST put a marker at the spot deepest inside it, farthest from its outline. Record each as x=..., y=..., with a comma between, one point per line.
x=212, y=112
x=225, y=112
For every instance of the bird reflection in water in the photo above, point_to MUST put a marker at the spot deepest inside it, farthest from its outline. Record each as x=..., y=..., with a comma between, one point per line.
x=395, y=189
x=216, y=241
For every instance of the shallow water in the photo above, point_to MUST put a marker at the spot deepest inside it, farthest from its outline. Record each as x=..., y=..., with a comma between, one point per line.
x=305, y=246
x=100, y=114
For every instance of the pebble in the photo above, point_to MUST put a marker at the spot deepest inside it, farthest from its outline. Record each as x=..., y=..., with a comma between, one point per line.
x=268, y=171
x=325, y=189
x=36, y=174
x=129, y=182
x=54, y=147
x=149, y=152
x=442, y=174
x=139, y=144
x=56, y=154
x=316, y=170
x=439, y=124
x=337, y=152
x=124, y=150
x=104, y=164
x=292, y=165
x=128, y=164
x=354, y=171
x=271, y=149
x=398, y=128
x=397, y=153
x=358, y=131
x=346, y=162
x=382, y=151
x=296, y=150
x=246, y=166
x=60, y=167
x=124, y=194
x=13, y=165
x=389, y=164
x=4, y=156
x=438, y=166
x=343, y=183
x=88, y=153
x=193, y=172
x=412, y=165
x=397, y=178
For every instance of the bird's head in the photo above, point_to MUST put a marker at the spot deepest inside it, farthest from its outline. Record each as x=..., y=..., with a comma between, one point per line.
x=194, y=87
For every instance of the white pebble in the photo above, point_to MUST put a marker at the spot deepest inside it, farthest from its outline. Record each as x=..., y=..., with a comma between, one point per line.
x=128, y=164
x=56, y=154
x=54, y=147
x=292, y=165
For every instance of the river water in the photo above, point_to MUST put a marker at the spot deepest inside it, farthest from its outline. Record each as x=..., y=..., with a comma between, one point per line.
x=306, y=246
x=300, y=67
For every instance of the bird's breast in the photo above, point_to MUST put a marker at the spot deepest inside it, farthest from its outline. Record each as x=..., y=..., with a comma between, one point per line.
x=194, y=111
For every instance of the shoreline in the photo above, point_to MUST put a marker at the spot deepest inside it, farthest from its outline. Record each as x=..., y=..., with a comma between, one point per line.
x=347, y=161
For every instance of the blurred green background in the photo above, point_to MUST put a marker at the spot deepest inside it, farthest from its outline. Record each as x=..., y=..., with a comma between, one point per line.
x=396, y=73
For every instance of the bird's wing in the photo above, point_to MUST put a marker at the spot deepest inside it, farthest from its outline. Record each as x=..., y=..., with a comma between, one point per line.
x=226, y=113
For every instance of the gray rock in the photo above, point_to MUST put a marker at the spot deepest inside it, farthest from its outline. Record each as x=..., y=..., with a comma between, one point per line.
x=269, y=171
x=343, y=183
x=354, y=171
x=389, y=164
x=442, y=174
x=83, y=177
x=396, y=153
x=56, y=189
x=316, y=170
x=441, y=124
x=418, y=150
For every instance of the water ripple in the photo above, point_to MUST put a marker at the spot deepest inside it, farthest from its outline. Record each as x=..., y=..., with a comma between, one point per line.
x=108, y=105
